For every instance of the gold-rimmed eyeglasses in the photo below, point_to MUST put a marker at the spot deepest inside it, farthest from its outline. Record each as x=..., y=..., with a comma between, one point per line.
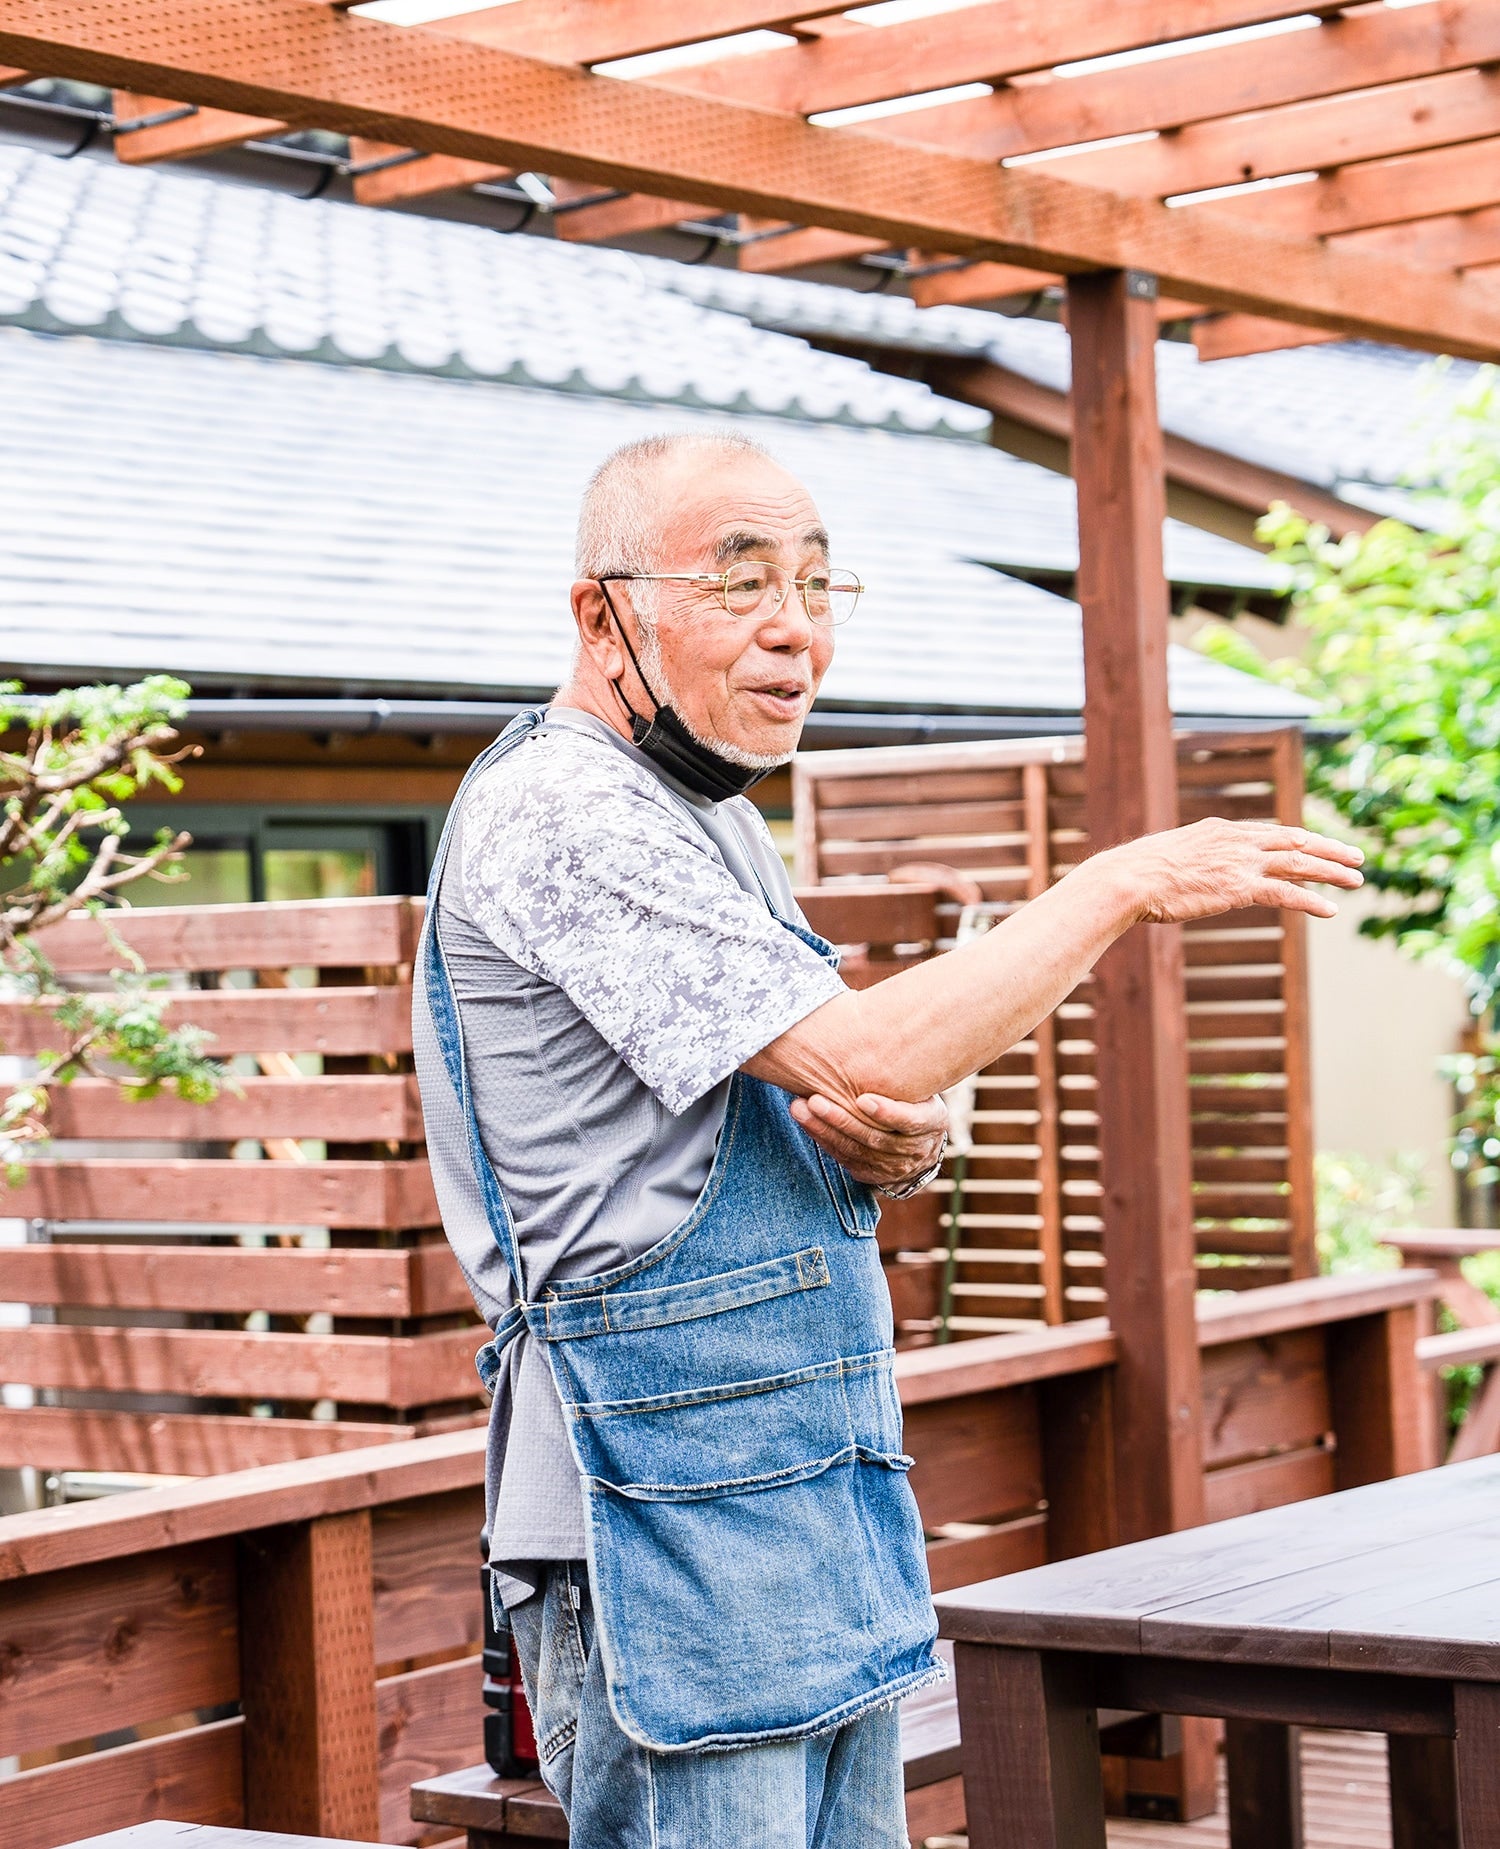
x=757, y=587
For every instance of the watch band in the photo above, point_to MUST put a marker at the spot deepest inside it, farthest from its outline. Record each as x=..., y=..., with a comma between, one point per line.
x=903, y=1190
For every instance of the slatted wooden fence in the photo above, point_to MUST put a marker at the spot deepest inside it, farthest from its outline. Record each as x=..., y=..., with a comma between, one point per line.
x=1011, y=818
x=292, y=1647
x=257, y=1279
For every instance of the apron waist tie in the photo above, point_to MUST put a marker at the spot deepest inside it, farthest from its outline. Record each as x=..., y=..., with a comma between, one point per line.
x=506, y=1330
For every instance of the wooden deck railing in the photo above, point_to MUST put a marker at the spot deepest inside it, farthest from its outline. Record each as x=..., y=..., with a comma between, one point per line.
x=296, y=1644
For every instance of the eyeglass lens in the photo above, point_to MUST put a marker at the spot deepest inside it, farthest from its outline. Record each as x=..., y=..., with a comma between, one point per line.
x=828, y=597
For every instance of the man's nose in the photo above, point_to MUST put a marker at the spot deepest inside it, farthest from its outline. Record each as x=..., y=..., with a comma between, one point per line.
x=788, y=629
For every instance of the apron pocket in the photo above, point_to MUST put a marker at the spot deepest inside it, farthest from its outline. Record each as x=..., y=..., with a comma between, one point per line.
x=614, y=1312
x=857, y=1206
x=745, y=1436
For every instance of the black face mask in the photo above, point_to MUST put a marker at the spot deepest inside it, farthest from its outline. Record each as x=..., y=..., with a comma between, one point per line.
x=668, y=743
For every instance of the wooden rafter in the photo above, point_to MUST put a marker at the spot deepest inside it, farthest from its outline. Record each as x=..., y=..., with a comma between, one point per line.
x=627, y=216
x=584, y=32
x=164, y=132
x=1434, y=112
x=1371, y=193
x=1360, y=50
x=1233, y=337
x=450, y=96
x=804, y=249
x=1458, y=241
x=388, y=175
x=979, y=42
x=977, y=283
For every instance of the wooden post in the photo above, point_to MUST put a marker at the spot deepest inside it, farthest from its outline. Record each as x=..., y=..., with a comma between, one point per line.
x=307, y=1678
x=1140, y=1029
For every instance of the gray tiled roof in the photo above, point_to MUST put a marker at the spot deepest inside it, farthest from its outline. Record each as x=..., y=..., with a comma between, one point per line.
x=151, y=256
x=1346, y=413
x=258, y=525
x=87, y=246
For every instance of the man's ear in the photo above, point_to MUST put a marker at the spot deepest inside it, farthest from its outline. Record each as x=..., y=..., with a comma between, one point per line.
x=599, y=638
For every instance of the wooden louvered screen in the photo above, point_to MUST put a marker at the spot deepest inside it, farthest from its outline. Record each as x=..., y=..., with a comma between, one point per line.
x=257, y=1279
x=1011, y=817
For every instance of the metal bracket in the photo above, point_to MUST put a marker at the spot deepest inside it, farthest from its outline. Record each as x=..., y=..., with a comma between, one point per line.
x=1141, y=284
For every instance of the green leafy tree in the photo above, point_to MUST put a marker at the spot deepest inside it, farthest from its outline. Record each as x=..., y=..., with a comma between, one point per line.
x=86, y=752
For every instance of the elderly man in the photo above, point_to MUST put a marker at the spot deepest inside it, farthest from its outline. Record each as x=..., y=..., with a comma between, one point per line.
x=657, y=1118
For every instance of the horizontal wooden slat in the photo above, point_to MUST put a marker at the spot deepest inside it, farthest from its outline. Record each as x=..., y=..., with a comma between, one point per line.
x=351, y=1109
x=175, y=1444
x=978, y=1457
x=152, y=1637
x=1267, y=1483
x=426, y=1574
x=49, y=1540
x=923, y=821
x=195, y=1776
x=220, y=1192
x=835, y=792
x=301, y=1020
x=1011, y=1548
x=1460, y=1347
x=325, y=933
x=1311, y=1301
x=1268, y=1394
x=1003, y=1361
x=430, y=1721
x=367, y=1369
x=873, y=913
x=231, y=1278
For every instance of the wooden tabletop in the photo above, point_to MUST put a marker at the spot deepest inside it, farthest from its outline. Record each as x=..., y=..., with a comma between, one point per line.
x=1401, y=1577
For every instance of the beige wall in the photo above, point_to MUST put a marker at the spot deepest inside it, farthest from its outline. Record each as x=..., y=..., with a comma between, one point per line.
x=1380, y=1022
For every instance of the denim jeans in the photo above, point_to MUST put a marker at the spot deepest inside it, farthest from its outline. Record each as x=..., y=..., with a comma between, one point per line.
x=840, y=1790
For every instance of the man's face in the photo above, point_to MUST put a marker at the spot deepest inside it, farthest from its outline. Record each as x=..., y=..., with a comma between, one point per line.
x=747, y=681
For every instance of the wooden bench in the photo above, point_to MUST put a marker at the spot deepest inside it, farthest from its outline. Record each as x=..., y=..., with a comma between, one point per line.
x=504, y=1813
x=1475, y=1341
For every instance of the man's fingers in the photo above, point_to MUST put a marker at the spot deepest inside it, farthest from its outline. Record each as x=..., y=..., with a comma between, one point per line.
x=832, y=1116
x=1286, y=897
x=929, y=1117
x=1299, y=864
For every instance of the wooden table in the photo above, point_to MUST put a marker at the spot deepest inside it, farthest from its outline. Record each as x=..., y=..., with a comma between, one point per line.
x=167, y=1835
x=1376, y=1609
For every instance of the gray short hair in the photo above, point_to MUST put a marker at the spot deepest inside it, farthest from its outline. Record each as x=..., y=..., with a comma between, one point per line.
x=618, y=518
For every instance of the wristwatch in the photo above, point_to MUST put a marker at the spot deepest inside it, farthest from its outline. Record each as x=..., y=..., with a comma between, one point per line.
x=903, y=1190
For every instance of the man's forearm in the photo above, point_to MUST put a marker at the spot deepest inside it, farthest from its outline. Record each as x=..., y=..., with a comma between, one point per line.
x=929, y=1027
x=922, y=1031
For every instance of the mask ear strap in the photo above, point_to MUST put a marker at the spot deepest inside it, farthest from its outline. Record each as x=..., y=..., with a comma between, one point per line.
x=634, y=662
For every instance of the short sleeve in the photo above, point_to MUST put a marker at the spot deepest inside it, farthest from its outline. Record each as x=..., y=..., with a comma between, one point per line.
x=584, y=871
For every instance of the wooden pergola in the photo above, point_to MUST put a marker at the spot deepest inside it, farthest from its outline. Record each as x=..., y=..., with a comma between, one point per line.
x=1389, y=113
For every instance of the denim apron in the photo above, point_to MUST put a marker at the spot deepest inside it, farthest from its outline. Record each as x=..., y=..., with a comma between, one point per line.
x=755, y=1551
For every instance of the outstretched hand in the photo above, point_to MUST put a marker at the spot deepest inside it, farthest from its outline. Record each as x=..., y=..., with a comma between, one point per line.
x=883, y=1142
x=1216, y=866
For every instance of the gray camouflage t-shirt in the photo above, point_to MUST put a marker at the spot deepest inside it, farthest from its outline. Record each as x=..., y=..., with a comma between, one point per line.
x=616, y=959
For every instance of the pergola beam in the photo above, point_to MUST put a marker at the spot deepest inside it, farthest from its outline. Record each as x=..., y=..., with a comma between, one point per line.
x=1364, y=49
x=308, y=64
x=977, y=43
